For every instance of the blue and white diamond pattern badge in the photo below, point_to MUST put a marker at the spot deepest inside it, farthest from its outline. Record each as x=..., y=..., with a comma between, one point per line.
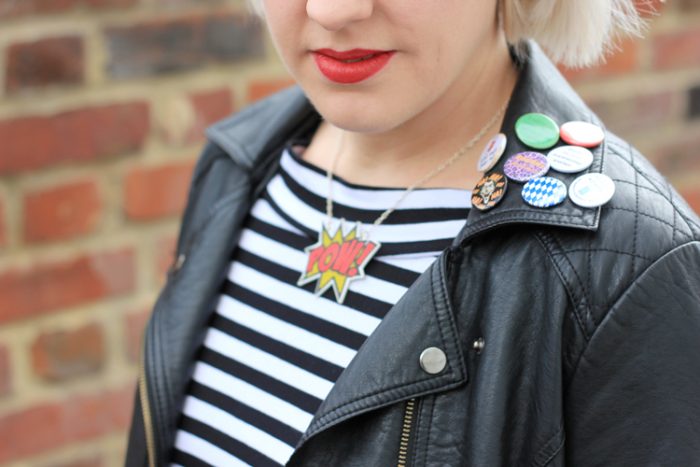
x=544, y=192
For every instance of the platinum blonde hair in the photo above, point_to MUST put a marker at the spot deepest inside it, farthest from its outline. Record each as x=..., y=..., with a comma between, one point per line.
x=575, y=33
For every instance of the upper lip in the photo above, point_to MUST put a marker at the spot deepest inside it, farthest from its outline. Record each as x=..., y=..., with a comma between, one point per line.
x=349, y=54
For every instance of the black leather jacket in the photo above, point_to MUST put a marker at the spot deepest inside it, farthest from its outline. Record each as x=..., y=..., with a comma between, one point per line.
x=572, y=335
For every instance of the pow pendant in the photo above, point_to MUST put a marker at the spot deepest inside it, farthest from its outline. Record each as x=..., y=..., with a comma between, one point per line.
x=336, y=260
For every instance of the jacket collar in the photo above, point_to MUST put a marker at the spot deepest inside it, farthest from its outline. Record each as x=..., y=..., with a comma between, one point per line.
x=540, y=88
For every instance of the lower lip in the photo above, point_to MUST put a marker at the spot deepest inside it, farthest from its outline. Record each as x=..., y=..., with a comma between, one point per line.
x=348, y=73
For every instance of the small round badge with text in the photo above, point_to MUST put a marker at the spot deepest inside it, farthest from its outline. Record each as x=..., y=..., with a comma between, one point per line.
x=525, y=166
x=591, y=190
x=492, y=153
x=570, y=159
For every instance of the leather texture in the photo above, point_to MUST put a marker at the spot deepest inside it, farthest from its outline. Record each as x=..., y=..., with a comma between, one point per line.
x=590, y=317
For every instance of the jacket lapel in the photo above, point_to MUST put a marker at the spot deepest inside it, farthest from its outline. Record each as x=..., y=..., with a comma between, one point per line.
x=386, y=368
x=181, y=314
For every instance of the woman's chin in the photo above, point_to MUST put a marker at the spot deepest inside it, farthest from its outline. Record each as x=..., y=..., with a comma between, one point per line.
x=354, y=118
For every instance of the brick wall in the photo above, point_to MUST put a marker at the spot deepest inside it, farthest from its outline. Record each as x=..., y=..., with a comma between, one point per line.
x=102, y=107
x=649, y=92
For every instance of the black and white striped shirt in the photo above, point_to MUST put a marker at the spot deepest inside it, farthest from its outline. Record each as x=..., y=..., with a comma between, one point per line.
x=274, y=349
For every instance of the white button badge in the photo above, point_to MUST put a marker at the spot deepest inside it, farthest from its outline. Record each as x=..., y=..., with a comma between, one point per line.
x=570, y=159
x=591, y=190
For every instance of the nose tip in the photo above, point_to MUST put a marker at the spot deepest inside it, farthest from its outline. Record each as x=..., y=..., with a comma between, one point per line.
x=336, y=14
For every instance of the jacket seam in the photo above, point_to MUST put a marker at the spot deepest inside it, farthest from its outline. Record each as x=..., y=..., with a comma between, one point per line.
x=614, y=304
x=693, y=228
x=430, y=430
x=548, y=241
x=330, y=417
x=450, y=324
x=158, y=379
x=636, y=212
x=673, y=237
x=481, y=225
x=548, y=459
x=432, y=294
x=609, y=250
x=214, y=212
x=676, y=230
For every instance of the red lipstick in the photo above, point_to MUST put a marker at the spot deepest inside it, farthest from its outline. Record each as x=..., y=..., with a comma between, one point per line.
x=351, y=66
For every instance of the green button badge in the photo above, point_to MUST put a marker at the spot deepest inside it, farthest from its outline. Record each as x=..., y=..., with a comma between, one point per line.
x=537, y=130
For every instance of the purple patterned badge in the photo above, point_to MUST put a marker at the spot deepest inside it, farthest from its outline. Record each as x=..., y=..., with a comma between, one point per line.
x=525, y=166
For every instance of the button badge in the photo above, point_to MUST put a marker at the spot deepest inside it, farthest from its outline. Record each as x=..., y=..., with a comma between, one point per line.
x=525, y=166
x=583, y=134
x=592, y=190
x=537, y=130
x=492, y=153
x=489, y=191
x=570, y=159
x=544, y=192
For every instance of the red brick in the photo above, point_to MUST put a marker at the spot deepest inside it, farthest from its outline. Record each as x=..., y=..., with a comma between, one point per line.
x=56, y=424
x=260, y=89
x=66, y=354
x=679, y=156
x=692, y=196
x=104, y=4
x=15, y=8
x=618, y=62
x=5, y=371
x=649, y=8
x=46, y=287
x=79, y=462
x=10, y=8
x=50, y=61
x=677, y=49
x=135, y=324
x=636, y=113
x=689, y=6
x=208, y=107
x=81, y=135
x=156, y=192
x=62, y=212
x=190, y=42
x=3, y=225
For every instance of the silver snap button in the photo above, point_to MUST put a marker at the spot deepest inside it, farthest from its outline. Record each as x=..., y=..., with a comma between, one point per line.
x=433, y=360
x=478, y=344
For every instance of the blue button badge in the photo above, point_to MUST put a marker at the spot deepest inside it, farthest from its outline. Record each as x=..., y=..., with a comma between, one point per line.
x=544, y=192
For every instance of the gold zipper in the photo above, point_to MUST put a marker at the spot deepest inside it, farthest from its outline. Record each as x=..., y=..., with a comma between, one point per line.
x=406, y=432
x=146, y=412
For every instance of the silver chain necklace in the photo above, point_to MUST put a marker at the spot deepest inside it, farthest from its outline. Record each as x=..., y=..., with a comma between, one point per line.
x=340, y=257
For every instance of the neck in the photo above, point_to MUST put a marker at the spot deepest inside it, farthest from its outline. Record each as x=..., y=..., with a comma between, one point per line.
x=406, y=153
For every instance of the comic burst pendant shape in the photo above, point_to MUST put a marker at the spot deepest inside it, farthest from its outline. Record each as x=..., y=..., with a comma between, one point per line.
x=337, y=259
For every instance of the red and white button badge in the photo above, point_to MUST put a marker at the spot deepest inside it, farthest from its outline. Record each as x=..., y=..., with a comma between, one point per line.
x=582, y=134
